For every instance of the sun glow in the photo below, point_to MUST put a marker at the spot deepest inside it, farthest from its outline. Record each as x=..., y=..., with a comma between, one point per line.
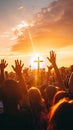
x=34, y=65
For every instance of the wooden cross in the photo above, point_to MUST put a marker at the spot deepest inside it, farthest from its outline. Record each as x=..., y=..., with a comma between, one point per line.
x=38, y=61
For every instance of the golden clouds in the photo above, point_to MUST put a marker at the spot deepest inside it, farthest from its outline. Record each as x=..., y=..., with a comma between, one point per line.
x=52, y=28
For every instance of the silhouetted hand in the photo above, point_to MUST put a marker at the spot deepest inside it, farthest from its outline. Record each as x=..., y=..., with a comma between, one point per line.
x=49, y=67
x=52, y=57
x=18, y=69
x=52, y=60
x=3, y=64
x=18, y=66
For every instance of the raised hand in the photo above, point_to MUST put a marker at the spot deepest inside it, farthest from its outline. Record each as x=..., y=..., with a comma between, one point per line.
x=3, y=64
x=18, y=69
x=52, y=57
x=52, y=60
x=18, y=66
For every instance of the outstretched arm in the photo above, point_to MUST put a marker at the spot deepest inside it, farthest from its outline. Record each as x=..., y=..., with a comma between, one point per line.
x=18, y=70
x=3, y=65
x=49, y=72
x=49, y=69
x=52, y=60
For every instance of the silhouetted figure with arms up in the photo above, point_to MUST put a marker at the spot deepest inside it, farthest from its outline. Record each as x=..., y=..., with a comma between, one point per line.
x=52, y=60
x=14, y=95
x=18, y=70
x=3, y=65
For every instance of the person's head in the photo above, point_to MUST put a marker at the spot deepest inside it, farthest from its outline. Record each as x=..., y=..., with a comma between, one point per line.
x=50, y=92
x=59, y=95
x=35, y=97
x=61, y=115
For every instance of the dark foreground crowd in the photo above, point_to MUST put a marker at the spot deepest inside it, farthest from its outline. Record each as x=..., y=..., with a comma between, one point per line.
x=29, y=107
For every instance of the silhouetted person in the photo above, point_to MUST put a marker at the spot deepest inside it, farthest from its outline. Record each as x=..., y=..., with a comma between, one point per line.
x=15, y=115
x=38, y=109
x=61, y=116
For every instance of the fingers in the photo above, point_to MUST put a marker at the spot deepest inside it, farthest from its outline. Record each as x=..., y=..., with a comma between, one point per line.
x=18, y=65
x=6, y=65
x=48, y=58
x=22, y=65
x=13, y=67
x=52, y=57
x=3, y=63
x=18, y=62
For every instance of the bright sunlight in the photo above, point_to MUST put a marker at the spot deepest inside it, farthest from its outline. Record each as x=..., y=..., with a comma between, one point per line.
x=34, y=61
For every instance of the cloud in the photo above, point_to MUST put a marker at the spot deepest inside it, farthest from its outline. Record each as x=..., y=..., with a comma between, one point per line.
x=57, y=11
x=20, y=8
x=52, y=28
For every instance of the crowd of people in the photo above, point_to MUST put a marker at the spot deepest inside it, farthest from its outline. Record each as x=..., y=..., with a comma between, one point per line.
x=30, y=102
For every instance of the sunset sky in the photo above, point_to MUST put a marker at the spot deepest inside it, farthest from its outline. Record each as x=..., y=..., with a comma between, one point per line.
x=30, y=27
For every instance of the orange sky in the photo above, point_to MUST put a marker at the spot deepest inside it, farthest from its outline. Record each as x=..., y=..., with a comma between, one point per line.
x=50, y=28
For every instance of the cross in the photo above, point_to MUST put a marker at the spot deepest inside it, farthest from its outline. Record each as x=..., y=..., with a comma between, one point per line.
x=38, y=61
